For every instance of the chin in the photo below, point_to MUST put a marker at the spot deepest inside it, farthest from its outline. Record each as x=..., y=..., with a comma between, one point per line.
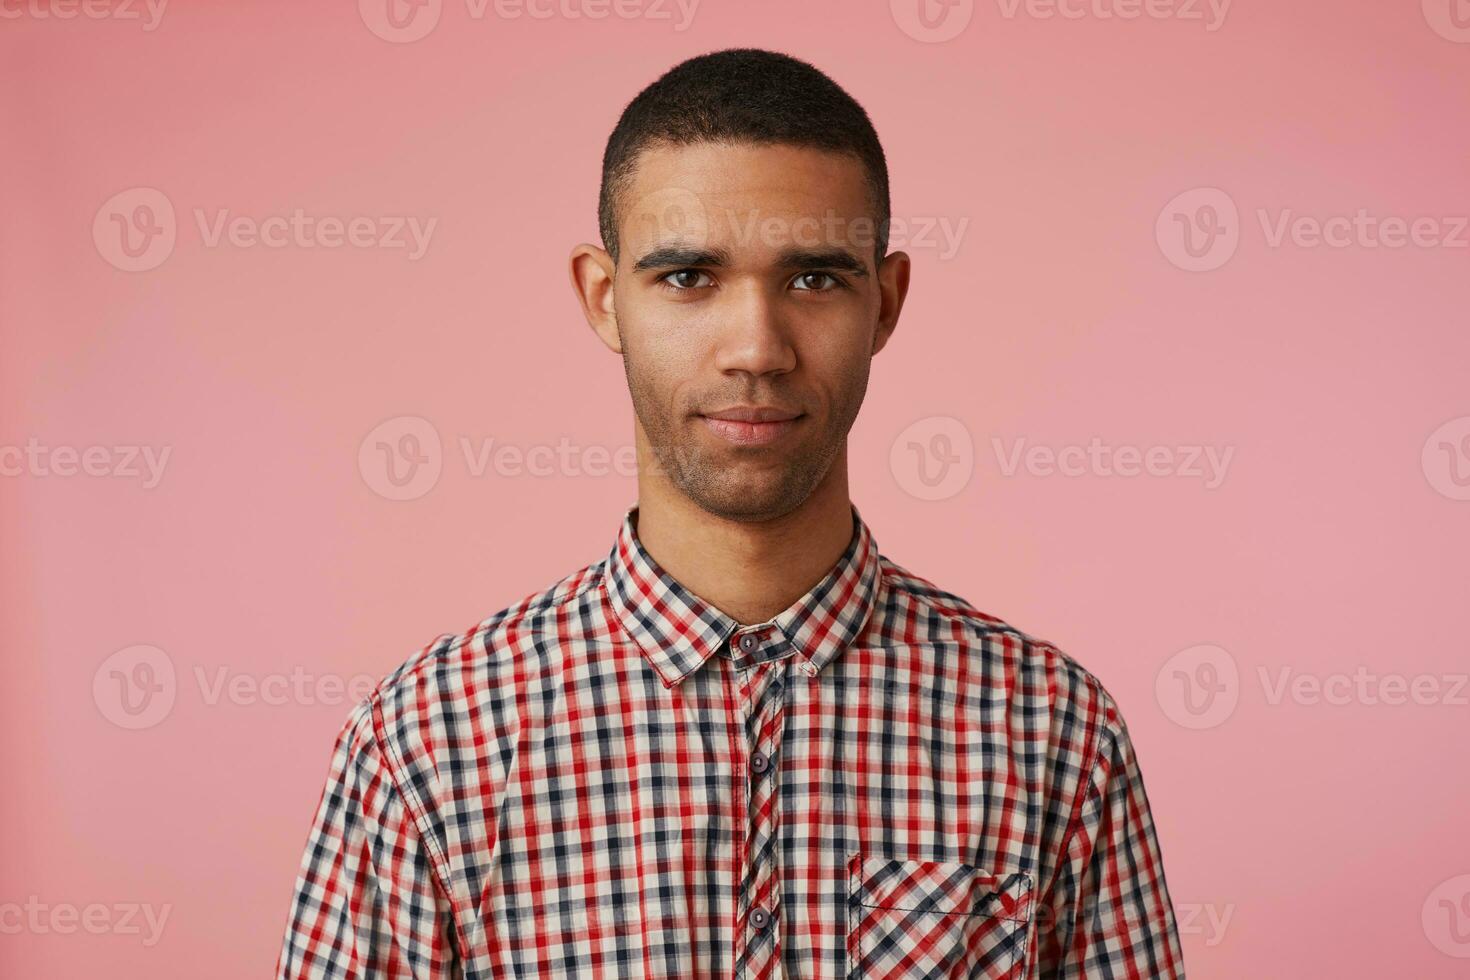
x=748, y=500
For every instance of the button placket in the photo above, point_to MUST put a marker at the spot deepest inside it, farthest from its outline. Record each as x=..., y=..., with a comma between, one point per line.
x=763, y=699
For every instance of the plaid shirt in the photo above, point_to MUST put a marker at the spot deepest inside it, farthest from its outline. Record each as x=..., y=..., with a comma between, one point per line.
x=612, y=778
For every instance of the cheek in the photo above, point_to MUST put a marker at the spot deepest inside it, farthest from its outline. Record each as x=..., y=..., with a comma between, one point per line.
x=662, y=368
x=843, y=381
x=836, y=361
x=659, y=329
x=673, y=354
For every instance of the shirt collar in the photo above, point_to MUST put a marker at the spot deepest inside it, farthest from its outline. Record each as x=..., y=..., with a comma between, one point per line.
x=678, y=631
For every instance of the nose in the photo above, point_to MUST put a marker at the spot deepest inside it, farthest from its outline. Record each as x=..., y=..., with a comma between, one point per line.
x=754, y=337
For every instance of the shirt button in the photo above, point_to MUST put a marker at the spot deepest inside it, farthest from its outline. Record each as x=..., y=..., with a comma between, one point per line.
x=760, y=762
x=759, y=917
x=748, y=642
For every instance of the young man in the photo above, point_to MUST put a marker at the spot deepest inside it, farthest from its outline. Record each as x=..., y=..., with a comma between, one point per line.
x=745, y=744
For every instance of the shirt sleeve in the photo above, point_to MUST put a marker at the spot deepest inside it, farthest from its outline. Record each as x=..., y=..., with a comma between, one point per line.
x=367, y=905
x=1109, y=913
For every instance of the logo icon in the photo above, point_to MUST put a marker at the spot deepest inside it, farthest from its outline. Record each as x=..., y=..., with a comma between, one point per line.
x=670, y=212
x=135, y=687
x=402, y=458
x=1198, y=687
x=932, y=21
x=400, y=21
x=1450, y=19
x=934, y=458
x=135, y=229
x=1199, y=230
x=1446, y=917
x=1446, y=459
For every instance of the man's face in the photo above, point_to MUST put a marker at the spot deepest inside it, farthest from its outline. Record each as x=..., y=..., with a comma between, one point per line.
x=746, y=280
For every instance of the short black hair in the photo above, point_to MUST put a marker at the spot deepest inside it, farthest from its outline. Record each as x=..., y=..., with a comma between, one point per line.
x=745, y=95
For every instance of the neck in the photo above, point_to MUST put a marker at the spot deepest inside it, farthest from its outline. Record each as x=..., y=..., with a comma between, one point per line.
x=749, y=570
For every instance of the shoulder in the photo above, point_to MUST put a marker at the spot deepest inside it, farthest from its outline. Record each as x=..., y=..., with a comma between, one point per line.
x=1039, y=674
x=451, y=689
x=491, y=639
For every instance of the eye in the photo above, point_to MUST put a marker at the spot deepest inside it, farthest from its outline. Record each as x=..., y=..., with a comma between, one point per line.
x=803, y=282
x=683, y=279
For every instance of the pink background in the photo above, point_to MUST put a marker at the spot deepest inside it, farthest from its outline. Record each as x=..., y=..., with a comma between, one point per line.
x=1331, y=835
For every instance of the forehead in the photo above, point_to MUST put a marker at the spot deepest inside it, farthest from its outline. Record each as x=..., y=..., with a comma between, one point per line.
x=744, y=197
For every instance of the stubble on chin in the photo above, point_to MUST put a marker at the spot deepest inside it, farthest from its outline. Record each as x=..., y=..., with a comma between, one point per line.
x=707, y=477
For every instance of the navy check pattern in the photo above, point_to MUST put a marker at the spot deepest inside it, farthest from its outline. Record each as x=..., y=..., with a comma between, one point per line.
x=613, y=778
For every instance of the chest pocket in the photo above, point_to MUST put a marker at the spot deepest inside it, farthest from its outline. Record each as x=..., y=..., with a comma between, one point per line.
x=935, y=919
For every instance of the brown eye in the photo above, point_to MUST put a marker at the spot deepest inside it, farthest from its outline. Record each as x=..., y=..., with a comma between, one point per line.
x=805, y=282
x=684, y=279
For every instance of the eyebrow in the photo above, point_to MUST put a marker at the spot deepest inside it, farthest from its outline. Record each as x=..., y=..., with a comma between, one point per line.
x=677, y=256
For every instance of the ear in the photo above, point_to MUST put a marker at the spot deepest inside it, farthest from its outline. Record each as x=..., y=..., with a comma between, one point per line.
x=591, y=270
x=893, y=285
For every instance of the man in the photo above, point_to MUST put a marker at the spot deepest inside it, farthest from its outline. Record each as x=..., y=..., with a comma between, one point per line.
x=744, y=743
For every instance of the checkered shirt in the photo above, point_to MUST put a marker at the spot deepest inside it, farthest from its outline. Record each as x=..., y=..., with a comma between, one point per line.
x=613, y=778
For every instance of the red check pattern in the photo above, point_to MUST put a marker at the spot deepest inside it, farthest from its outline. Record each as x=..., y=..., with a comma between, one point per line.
x=613, y=778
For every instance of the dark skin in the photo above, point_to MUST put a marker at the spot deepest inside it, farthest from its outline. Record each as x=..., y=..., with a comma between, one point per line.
x=746, y=277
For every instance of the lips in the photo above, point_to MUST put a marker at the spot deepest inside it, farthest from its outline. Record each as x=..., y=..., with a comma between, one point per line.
x=751, y=425
x=752, y=413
